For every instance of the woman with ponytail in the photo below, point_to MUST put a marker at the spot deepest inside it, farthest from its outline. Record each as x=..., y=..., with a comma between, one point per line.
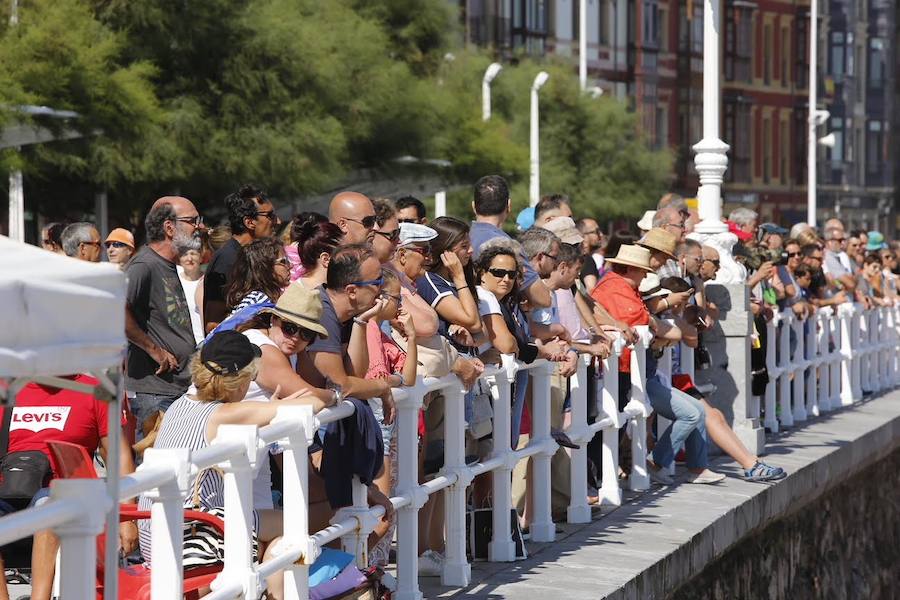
x=313, y=238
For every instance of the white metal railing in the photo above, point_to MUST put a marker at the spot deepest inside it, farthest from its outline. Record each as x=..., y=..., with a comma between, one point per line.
x=852, y=354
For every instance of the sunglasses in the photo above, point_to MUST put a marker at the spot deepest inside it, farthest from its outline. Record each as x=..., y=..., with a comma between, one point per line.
x=366, y=222
x=419, y=250
x=98, y=244
x=501, y=273
x=376, y=282
x=793, y=254
x=397, y=299
x=195, y=221
x=117, y=245
x=392, y=236
x=292, y=329
x=408, y=220
x=269, y=214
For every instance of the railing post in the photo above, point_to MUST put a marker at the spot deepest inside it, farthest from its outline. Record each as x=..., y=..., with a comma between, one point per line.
x=501, y=547
x=835, y=359
x=295, y=470
x=580, y=434
x=800, y=364
x=610, y=492
x=167, y=522
x=812, y=376
x=857, y=348
x=77, y=538
x=457, y=571
x=865, y=357
x=664, y=374
x=640, y=479
x=770, y=422
x=542, y=527
x=238, y=480
x=408, y=403
x=784, y=383
x=825, y=358
x=356, y=543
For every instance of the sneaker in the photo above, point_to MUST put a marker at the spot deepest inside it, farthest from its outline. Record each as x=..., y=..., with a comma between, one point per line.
x=659, y=476
x=431, y=564
x=706, y=476
x=763, y=472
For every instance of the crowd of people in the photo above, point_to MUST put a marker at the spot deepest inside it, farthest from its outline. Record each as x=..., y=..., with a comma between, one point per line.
x=225, y=324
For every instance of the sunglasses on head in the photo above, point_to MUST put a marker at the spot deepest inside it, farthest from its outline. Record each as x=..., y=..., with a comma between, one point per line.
x=367, y=222
x=291, y=329
x=391, y=236
x=501, y=273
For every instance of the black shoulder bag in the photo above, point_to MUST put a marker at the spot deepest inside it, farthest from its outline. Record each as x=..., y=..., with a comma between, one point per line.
x=23, y=473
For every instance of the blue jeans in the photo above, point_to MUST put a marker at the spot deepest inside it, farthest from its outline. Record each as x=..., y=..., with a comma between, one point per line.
x=143, y=406
x=688, y=425
x=518, y=407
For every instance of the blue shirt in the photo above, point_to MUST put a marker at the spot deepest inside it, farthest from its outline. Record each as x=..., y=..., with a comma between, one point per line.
x=479, y=233
x=433, y=288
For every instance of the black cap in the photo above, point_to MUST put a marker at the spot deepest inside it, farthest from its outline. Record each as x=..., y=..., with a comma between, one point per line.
x=228, y=352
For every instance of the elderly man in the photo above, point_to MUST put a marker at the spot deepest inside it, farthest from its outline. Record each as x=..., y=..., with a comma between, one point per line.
x=354, y=214
x=81, y=241
x=119, y=247
x=157, y=317
x=251, y=217
x=709, y=265
x=552, y=207
x=835, y=271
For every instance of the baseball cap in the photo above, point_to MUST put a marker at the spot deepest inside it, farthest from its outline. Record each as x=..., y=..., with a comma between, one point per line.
x=121, y=235
x=414, y=233
x=646, y=222
x=876, y=241
x=565, y=230
x=228, y=352
x=525, y=220
x=773, y=228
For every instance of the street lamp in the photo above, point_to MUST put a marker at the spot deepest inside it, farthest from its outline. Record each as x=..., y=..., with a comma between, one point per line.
x=815, y=117
x=534, y=190
x=492, y=71
x=582, y=43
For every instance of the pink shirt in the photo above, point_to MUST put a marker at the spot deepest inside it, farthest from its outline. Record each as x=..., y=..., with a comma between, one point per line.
x=293, y=255
x=569, y=316
x=385, y=357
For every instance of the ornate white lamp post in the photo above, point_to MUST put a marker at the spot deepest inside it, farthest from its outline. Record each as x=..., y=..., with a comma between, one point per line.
x=534, y=189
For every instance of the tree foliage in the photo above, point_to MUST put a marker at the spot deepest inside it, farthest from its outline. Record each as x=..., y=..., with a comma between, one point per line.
x=198, y=97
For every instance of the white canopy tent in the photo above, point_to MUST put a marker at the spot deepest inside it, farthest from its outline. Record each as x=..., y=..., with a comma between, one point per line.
x=58, y=315
x=63, y=316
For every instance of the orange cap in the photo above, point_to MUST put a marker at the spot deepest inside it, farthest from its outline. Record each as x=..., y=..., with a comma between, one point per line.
x=121, y=235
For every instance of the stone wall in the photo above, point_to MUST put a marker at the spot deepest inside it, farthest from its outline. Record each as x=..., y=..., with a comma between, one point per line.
x=843, y=545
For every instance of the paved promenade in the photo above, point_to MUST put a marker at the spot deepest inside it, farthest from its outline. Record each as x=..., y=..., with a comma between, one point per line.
x=656, y=541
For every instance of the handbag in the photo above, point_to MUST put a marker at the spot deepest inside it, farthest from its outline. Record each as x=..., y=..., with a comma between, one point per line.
x=435, y=355
x=480, y=531
x=23, y=473
x=482, y=412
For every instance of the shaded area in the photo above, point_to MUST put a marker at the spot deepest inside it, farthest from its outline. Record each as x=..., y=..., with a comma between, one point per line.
x=842, y=545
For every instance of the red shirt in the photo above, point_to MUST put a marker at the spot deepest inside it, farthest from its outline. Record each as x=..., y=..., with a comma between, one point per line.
x=623, y=302
x=43, y=414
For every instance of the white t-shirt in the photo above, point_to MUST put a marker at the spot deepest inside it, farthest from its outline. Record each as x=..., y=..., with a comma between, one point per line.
x=487, y=305
x=190, y=294
x=549, y=315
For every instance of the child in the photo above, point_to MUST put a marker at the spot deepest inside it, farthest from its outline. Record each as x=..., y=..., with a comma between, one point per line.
x=386, y=359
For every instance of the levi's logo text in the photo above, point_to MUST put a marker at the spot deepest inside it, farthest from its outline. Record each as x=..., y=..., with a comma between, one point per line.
x=38, y=418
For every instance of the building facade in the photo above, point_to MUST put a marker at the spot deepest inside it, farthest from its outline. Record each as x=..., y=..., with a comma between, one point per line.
x=649, y=53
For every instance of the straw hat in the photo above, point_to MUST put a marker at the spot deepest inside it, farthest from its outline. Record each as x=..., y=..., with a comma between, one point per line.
x=301, y=306
x=661, y=240
x=565, y=230
x=650, y=287
x=632, y=256
x=646, y=222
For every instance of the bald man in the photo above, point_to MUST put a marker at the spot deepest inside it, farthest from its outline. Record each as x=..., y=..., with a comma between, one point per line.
x=354, y=214
x=710, y=265
x=157, y=317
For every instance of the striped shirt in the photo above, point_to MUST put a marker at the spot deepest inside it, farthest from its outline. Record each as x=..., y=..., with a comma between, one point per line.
x=184, y=426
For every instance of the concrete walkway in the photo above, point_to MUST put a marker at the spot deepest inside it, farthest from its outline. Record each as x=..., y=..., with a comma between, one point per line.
x=656, y=541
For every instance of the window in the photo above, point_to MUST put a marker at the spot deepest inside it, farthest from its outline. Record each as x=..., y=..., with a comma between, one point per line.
x=785, y=163
x=662, y=128
x=738, y=44
x=697, y=29
x=837, y=53
x=684, y=29
x=876, y=155
x=603, y=22
x=650, y=18
x=767, y=150
x=662, y=30
x=767, y=54
x=836, y=154
x=801, y=65
x=785, y=53
x=737, y=135
x=529, y=25
x=876, y=62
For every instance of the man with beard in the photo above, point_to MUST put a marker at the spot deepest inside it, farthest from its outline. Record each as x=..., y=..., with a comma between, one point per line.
x=157, y=317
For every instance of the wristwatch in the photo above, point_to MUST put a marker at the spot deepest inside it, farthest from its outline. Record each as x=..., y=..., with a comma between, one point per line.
x=359, y=321
x=338, y=395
